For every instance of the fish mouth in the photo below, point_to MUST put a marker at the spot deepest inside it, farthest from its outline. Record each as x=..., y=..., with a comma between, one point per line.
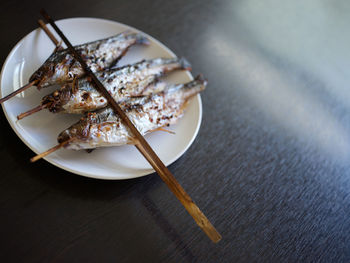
x=54, y=102
x=51, y=103
x=64, y=136
x=37, y=77
x=77, y=132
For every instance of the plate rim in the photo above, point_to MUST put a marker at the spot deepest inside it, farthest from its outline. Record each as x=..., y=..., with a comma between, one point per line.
x=77, y=172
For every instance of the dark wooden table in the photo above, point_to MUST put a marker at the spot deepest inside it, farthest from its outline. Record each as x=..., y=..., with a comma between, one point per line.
x=270, y=166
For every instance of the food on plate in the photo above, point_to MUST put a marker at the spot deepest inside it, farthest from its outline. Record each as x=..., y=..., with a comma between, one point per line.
x=80, y=95
x=148, y=113
x=62, y=67
x=150, y=104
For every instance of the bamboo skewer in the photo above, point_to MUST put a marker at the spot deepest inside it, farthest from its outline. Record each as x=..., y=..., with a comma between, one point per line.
x=27, y=86
x=48, y=32
x=51, y=150
x=143, y=146
x=31, y=111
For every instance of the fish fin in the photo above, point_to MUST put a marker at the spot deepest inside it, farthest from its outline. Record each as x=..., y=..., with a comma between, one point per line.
x=163, y=130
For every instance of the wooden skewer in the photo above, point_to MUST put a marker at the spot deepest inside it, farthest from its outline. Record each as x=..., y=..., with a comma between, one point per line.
x=143, y=146
x=51, y=150
x=18, y=91
x=31, y=111
x=50, y=35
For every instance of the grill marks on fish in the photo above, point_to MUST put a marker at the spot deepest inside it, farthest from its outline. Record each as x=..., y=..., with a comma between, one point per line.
x=148, y=113
x=61, y=67
x=121, y=83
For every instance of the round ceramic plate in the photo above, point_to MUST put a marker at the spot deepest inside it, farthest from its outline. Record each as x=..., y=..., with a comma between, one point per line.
x=39, y=131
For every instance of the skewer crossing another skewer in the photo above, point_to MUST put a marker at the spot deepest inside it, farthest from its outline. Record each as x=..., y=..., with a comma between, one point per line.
x=144, y=147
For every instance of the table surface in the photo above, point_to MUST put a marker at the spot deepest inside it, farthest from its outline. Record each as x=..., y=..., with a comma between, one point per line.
x=269, y=167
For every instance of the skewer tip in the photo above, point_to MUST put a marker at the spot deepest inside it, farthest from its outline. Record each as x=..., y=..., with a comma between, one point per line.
x=51, y=150
x=31, y=111
x=44, y=13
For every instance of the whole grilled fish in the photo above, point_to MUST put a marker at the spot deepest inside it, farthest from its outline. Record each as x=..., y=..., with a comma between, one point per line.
x=61, y=66
x=131, y=80
x=148, y=113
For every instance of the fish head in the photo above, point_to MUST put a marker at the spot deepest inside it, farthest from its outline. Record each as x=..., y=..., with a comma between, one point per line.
x=76, y=132
x=60, y=67
x=80, y=131
x=54, y=102
x=43, y=75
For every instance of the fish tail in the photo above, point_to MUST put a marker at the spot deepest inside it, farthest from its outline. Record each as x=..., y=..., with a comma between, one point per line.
x=194, y=87
x=142, y=40
x=189, y=89
x=200, y=79
x=185, y=64
x=139, y=38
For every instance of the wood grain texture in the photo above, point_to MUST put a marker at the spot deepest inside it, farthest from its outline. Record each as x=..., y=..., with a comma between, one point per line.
x=270, y=165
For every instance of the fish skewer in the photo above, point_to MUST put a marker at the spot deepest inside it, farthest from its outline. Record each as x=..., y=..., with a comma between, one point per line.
x=62, y=67
x=148, y=113
x=128, y=81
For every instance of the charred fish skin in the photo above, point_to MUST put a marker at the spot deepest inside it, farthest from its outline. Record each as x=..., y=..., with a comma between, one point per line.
x=148, y=113
x=61, y=67
x=128, y=81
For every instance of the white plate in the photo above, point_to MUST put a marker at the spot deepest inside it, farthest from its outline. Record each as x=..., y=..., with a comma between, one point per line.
x=39, y=132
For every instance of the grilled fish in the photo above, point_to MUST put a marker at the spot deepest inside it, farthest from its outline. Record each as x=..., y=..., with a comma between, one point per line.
x=131, y=80
x=61, y=67
x=148, y=113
